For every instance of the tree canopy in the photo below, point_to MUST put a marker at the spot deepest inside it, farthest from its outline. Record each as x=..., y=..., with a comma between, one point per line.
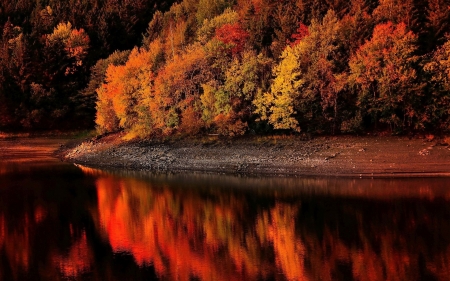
x=227, y=67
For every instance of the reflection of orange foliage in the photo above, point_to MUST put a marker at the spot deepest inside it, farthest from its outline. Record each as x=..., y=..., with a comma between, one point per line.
x=181, y=238
x=289, y=249
x=16, y=243
x=77, y=261
x=440, y=266
x=39, y=214
x=186, y=235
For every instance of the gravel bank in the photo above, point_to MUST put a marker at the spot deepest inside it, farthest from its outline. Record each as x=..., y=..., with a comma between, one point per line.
x=344, y=156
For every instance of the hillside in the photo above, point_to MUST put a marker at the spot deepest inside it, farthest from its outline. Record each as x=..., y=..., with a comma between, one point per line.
x=226, y=67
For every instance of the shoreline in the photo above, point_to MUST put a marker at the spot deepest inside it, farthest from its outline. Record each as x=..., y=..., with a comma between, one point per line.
x=343, y=156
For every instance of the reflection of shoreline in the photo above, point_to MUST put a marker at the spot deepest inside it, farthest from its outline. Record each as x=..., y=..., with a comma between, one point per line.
x=221, y=235
x=380, y=189
x=24, y=154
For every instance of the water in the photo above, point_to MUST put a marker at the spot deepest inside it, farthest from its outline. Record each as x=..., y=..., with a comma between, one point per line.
x=63, y=222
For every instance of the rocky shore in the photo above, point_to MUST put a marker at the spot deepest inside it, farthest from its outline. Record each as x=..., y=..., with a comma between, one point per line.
x=367, y=156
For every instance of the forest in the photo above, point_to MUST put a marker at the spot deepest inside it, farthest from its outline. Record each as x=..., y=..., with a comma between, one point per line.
x=229, y=67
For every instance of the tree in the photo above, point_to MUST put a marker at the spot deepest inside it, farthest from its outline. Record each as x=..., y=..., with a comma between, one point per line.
x=285, y=20
x=56, y=56
x=438, y=98
x=88, y=97
x=155, y=26
x=62, y=67
x=438, y=18
x=301, y=32
x=277, y=106
x=257, y=22
x=383, y=72
x=233, y=36
x=227, y=107
x=397, y=11
x=207, y=9
x=13, y=75
x=74, y=41
x=357, y=27
x=177, y=89
x=124, y=99
x=207, y=29
x=307, y=80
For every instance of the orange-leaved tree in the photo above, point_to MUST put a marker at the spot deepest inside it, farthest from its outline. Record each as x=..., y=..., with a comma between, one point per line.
x=383, y=72
x=177, y=90
x=438, y=70
x=124, y=99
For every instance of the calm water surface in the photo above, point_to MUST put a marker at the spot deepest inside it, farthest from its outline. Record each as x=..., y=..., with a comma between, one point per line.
x=63, y=222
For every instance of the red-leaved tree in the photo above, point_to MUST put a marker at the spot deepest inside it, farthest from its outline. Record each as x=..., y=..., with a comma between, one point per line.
x=233, y=35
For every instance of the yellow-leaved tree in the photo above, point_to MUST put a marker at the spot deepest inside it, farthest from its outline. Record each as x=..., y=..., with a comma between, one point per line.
x=74, y=41
x=277, y=106
x=307, y=81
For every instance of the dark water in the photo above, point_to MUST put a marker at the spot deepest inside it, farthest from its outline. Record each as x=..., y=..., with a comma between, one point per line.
x=62, y=222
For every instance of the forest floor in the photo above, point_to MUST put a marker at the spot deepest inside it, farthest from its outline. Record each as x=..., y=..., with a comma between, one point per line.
x=361, y=156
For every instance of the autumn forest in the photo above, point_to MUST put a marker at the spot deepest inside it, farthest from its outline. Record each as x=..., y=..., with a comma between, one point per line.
x=226, y=67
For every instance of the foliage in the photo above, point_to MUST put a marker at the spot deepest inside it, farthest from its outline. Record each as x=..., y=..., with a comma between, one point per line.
x=208, y=29
x=307, y=81
x=302, y=32
x=438, y=69
x=207, y=9
x=54, y=44
x=74, y=41
x=98, y=74
x=232, y=35
x=396, y=11
x=383, y=70
x=277, y=106
x=224, y=66
x=123, y=98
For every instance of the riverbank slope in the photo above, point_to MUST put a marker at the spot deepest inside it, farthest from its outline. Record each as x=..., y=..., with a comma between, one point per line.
x=367, y=156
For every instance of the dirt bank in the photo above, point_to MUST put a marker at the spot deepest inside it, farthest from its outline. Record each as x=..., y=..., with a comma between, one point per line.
x=344, y=155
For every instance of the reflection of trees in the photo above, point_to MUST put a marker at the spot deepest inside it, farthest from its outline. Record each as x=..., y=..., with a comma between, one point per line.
x=16, y=245
x=288, y=248
x=210, y=235
x=363, y=240
x=20, y=246
x=77, y=261
x=40, y=233
x=182, y=235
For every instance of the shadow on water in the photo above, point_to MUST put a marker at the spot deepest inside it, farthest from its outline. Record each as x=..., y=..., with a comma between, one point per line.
x=59, y=222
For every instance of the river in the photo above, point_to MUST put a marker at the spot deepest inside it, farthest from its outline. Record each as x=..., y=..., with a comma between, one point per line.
x=59, y=221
